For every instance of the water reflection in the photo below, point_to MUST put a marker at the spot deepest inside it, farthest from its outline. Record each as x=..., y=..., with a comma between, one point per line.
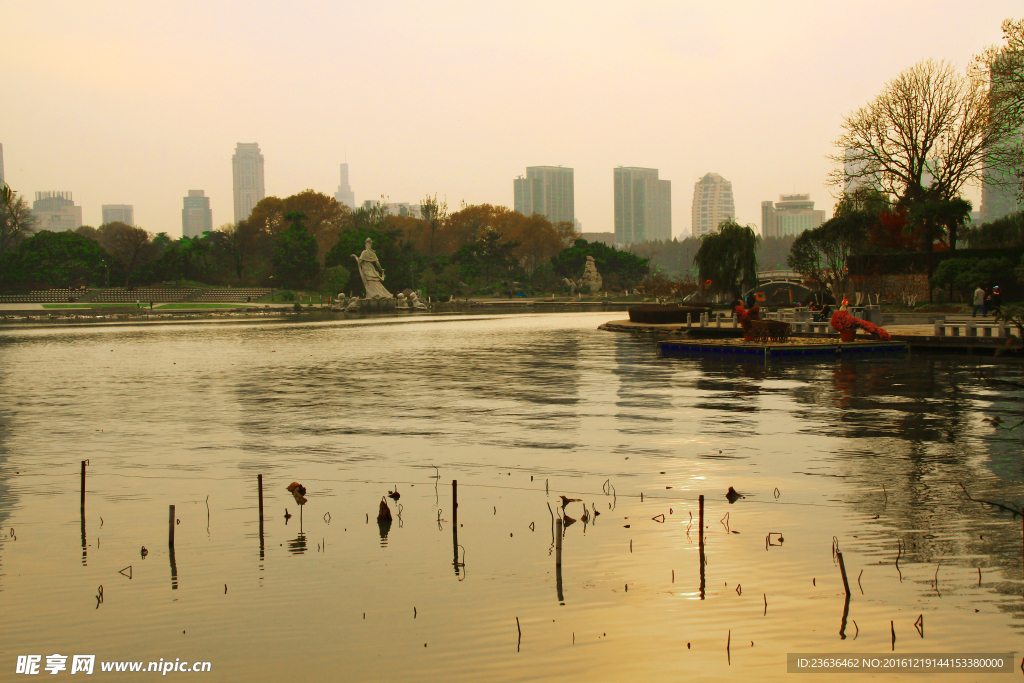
x=297, y=545
x=871, y=451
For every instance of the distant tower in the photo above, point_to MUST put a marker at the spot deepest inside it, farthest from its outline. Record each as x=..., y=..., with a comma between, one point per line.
x=55, y=211
x=712, y=203
x=793, y=214
x=345, y=195
x=196, y=216
x=247, y=171
x=119, y=213
x=643, y=206
x=547, y=190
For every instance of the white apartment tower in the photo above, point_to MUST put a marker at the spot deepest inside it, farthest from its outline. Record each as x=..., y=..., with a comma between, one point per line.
x=547, y=190
x=643, y=206
x=119, y=213
x=793, y=214
x=345, y=195
x=712, y=204
x=247, y=173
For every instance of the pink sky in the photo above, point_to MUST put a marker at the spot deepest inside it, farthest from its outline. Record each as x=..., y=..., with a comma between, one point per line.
x=137, y=102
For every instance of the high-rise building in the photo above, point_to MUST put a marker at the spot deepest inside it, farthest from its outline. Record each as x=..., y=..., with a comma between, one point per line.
x=345, y=195
x=119, y=213
x=55, y=211
x=793, y=214
x=196, y=216
x=712, y=203
x=547, y=190
x=643, y=206
x=247, y=172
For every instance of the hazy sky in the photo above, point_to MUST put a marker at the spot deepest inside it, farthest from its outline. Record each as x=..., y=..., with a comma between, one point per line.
x=137, y=102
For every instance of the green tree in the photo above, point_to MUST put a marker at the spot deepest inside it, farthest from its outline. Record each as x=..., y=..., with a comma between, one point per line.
x=128, y=244
x=435, y=214
x=823, y=254
x=333, y=280
x=728, y=258
x=16, y=219
x=295, y=254
x=941, y=218
x=623, y=267
x=487, y=257
x=55, y=259
x=962, y=275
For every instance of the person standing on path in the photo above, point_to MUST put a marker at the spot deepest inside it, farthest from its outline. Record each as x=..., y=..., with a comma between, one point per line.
x=979, y=302
x=995, y=303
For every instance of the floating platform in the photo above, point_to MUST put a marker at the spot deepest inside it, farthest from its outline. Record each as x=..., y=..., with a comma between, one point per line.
x=811, y=349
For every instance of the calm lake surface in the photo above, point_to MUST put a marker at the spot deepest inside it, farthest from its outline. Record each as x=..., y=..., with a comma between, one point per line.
x=520, y=409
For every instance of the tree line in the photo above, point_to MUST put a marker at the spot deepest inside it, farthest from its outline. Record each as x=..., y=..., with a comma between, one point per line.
x=305, y=241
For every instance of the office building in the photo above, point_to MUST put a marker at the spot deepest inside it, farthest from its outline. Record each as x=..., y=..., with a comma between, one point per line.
x=247, y=173
x=547, y=190
x=345, y=195
x=712, y=204
x=643, y=206
x=56, y=211
x=196, y=216
x=119, y=213
x=793, y=214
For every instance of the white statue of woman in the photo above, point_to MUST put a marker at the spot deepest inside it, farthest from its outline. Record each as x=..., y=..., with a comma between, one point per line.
x=372, y=280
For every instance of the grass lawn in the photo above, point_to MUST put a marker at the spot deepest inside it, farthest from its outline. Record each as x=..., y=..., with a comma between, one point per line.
x=194, y=305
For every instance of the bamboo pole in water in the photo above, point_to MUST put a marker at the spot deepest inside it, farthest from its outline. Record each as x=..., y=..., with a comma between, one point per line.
x=83, y=484
x=842, y=569
x=700, y=537
x=170, y=527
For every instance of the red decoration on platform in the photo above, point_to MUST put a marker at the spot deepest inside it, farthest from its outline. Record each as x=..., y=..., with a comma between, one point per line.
x=745, y=316
x=844, y=322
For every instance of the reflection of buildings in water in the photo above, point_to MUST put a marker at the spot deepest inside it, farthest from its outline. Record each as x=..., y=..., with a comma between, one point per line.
x=396, y=379
x=912, y=426
x=644, y=388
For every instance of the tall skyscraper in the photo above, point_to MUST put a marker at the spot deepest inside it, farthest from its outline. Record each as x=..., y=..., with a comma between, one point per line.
x=55, y=211
x=119, y=213
x=791, y=216
x=196, y=216
x=345, y=195
x=547, y=190
x=247, y=172
x=712, y=203
x=643, y=206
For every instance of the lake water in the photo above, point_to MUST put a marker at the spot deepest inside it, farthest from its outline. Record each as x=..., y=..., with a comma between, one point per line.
x=520, y=409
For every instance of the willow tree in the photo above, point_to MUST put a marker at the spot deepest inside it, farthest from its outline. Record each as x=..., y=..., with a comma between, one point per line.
x=727, y=258
x=930, y=132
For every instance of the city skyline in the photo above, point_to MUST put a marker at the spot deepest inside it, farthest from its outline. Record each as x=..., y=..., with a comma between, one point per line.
x=153, y=152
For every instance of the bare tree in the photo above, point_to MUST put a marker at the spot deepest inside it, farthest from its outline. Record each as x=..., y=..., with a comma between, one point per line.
x=1003, y=68
x=928, y=133
x=434, y=214
x=127, y=244
x=16, y=219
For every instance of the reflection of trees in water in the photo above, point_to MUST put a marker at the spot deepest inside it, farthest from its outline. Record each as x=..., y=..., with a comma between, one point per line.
x=914, y=428
x=644, y=388
x=513, y=382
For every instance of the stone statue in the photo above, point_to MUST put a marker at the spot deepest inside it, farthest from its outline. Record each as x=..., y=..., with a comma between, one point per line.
x=372, y=280
x=415, y=302
x=591, y=278
x=353, y=304
x=402, y=301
